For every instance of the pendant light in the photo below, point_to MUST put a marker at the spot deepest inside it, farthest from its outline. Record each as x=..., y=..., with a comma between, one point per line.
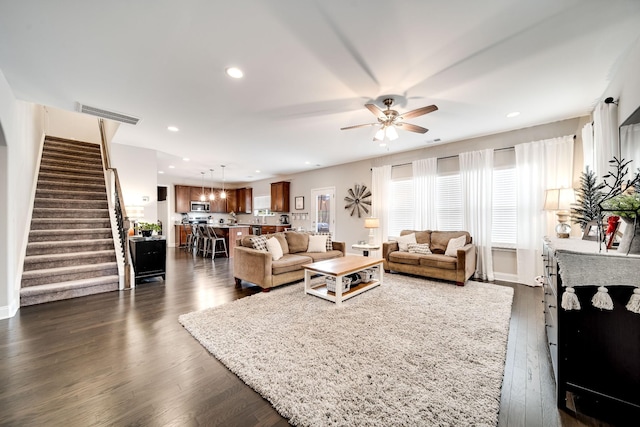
x=223, y=194
x=212, y=196
x=202, y=196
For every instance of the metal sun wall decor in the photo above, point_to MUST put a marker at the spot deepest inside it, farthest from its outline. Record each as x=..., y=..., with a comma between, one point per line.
x=358, y=200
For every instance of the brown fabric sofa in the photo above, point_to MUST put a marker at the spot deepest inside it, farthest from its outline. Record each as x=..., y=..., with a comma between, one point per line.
x=436, y=265
x=257, y=267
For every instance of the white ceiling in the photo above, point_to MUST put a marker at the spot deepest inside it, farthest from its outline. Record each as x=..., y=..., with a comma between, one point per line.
x=310, y=66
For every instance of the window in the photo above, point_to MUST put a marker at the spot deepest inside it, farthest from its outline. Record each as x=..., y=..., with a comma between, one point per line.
x=449, y=202
x=504, y=207
x=402, y=206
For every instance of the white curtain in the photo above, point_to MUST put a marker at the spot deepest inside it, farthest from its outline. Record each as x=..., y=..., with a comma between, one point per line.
x=630, y=146
x=425, y=174
x=605, y=137
x=588, y=152
x=540, y=165
x=476, y=173
x=381, y=199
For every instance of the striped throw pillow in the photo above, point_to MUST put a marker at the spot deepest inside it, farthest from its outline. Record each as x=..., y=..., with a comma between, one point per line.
x=419, y=248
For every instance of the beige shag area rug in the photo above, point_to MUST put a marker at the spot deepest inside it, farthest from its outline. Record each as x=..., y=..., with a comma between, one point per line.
x=411, y=352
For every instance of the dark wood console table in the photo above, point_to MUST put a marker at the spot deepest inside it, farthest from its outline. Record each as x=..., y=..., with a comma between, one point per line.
x=149, y=256
x=595, y=353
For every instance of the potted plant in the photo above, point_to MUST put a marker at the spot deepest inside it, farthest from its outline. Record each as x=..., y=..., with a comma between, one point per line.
x=147, y=228
x=623, y=200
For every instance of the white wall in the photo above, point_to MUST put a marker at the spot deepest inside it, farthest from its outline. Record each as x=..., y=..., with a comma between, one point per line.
x=138, y=173
x=625, y=84
x=21, y=124
x=71, y=125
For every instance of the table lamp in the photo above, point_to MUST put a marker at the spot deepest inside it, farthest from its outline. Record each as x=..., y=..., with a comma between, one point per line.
x=371, y=223
x=560, y=200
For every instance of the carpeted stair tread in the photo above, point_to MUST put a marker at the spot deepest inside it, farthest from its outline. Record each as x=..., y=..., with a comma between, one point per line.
x=68, y=273
x=93, y=281
x=68, y=246
x=44, y=202
x=69, y=234
x=47, y=184
x=54, y=257
x=68, y=156
x=64, y=177
x=69, y=213
x=67, y=142
x=65, y=290
x=68, y=223
x=48, y=193
x=67, y=169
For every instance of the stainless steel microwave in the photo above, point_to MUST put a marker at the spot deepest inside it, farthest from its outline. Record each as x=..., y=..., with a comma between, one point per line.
x=200, y=207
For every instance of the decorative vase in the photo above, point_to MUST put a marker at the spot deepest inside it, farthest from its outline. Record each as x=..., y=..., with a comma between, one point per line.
x=630, y=242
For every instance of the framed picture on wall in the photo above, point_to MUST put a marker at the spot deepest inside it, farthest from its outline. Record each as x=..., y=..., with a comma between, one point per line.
x=299, y=202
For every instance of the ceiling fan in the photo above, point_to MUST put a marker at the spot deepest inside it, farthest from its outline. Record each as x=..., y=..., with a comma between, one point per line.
x=390, y=119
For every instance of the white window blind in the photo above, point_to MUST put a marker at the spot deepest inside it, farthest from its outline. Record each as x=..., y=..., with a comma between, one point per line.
x=262, y=202
x=402, y=206
x=504, y=207
x=449, y=202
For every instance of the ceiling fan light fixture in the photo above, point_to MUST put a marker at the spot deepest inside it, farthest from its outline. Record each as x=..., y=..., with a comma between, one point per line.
x=379, y=136
x=391, y=133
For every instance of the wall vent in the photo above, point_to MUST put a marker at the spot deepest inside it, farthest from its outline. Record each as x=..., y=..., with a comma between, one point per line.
x=106, y=114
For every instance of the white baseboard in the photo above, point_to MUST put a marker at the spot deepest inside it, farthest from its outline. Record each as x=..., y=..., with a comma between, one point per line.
x=8, y=311
x=506, y=277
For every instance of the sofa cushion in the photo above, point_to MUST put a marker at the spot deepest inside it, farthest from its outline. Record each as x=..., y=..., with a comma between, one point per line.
x=321, y=256
x=274, y=248
x=259, y=243
x=421, y=236
x=439, y=261
x=455, y=244
x=283, y=242
x=405, y=258
x=440, y=240
x=298, y=242
x=404, y=241
x=419, y=248
x=317, y=243
x=289, y=262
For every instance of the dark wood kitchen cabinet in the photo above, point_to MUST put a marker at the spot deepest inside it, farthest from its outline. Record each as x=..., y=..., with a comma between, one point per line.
x=148, y=256
x=183, y=198
x=244, y=199
x=280, y=196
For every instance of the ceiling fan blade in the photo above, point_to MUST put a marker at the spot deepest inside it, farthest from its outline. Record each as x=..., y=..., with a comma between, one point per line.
x=358, y=126
x=419, y=112
x=412, y=128
x=376, y=111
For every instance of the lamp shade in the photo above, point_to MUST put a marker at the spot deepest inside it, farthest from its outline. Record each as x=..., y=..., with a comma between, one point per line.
x=371, y=223
x=559, y=199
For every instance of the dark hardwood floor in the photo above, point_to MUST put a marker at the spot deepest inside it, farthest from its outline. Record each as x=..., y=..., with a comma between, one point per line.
x=122, y=358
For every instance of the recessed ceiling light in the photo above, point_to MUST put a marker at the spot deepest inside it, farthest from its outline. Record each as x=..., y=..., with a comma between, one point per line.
x=257, y=171
x=173, y=129
x=186, y=159
x=160, y=172
x=171, y=167
x=234, y=72
x=513, y=114
x=307, y=163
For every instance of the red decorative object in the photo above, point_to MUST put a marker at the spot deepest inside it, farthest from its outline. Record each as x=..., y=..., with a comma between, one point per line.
x=612, y=229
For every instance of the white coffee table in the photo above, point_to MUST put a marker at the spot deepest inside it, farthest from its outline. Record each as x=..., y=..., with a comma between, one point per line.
x=338, y=268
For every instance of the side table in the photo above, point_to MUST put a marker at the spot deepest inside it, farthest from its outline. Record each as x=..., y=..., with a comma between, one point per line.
x=365, y=248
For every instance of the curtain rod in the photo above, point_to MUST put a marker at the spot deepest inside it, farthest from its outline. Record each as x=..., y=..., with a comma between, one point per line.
x=456, y=155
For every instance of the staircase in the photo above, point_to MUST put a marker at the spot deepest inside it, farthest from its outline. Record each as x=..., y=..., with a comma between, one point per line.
x=70, y=252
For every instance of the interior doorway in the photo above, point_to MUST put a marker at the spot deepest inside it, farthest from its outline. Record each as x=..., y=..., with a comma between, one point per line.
x=323, y=208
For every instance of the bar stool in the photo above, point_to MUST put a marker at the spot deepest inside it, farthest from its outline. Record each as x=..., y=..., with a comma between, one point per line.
x=191, y=235
x=204, y=240
x=215, y=240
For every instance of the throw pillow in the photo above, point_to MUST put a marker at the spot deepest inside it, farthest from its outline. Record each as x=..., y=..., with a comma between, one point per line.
x=259, y=243
x=329, y=242
x=274, y=248
x=317, y=243
x=454, y=245
x=403, y=241
x=419, y=248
